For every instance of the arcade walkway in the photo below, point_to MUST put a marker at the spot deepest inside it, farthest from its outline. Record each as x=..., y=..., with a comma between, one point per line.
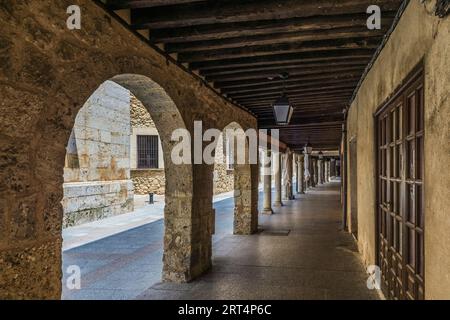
x=300, y=253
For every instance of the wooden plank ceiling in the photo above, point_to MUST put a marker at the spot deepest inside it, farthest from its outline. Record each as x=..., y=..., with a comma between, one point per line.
x=242, y=46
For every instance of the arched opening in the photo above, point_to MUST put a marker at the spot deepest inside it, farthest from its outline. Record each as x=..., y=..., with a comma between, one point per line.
x=120, y=151
x=233, y=177
x=223, y=187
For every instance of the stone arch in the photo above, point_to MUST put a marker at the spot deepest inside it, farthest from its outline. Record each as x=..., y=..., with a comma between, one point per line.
x=178, y=177
x=44, y=90
x=34, y=270
x=245, y=200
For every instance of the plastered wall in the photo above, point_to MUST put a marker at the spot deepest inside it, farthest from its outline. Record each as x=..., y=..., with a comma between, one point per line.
x=420, y=37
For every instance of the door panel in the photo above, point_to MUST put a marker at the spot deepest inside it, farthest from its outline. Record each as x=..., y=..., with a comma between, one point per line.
x=400, y=212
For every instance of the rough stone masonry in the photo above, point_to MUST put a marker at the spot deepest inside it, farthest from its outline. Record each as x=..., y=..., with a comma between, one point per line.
x=48, y=73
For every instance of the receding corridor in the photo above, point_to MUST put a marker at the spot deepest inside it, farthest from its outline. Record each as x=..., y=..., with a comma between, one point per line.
x=339, y=110
x=299, y=253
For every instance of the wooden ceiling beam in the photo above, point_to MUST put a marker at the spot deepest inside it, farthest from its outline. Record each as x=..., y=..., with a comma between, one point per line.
x=277, y=67
x=311, y=121
x=263, y=27
x=302, y=112
x=297, y=74
x=283, y=58
x=225, y=85
x=267, y=50
x=298, y=71
x=293, y=91
x=274, y=38
x=135, y=4
x=312, y=107
x=307, y=101
x=232, y=11
x=324, y=94
x=294, y=85
x=313, y=102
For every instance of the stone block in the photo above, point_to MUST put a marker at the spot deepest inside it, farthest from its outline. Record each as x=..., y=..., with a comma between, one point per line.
x=23, y=221
x=3, y=217
x=88, y=201
x=31, y=272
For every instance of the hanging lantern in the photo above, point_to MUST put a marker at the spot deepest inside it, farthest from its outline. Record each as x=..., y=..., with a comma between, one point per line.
x=308, y=148
x=282, y=110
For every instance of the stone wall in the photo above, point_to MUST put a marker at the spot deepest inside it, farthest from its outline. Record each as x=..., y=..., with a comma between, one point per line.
x=97, y=172
x=48, y=73
x=149, y=181
x=420, y=37
x=153, y=180
x=139, y=116
x=145, y=181
x=94, y=200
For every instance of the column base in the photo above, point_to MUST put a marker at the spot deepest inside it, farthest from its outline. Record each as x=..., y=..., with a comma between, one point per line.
x=267, y=211
x=278, y=204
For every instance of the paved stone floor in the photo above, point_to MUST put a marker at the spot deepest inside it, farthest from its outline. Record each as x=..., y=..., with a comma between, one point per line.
x=299, y=254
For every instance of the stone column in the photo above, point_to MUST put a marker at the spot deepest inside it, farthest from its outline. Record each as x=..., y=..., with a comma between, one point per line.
x=324, y=162
x=316, y=171
x=330, y=165
x=297, y=174
x=320, y=171
x=288, y=195
x=307, y=172
x=301, y=174
x=333, y=168
x=277, y=172
x=267, y=162
x=328, y=171
x=294, y=172
x=313, y=172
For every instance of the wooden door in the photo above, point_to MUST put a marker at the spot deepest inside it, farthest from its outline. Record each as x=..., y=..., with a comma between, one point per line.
x=400, y=190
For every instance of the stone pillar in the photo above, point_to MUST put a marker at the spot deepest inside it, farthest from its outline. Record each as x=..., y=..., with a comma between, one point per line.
x=267, y=163
x=316, y=171
x=320, y=171
x=294, y=172
x=333, y=168
x=324, y=171
x=301, y=174
x=307, y=172
x=277, y=172
x=313, y=172
x=288, y=195
x=246, y=198
x=328, y=171
x=297, y=174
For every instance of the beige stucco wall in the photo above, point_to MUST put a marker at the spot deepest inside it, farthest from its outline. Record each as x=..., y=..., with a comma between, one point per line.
x=419, y=35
